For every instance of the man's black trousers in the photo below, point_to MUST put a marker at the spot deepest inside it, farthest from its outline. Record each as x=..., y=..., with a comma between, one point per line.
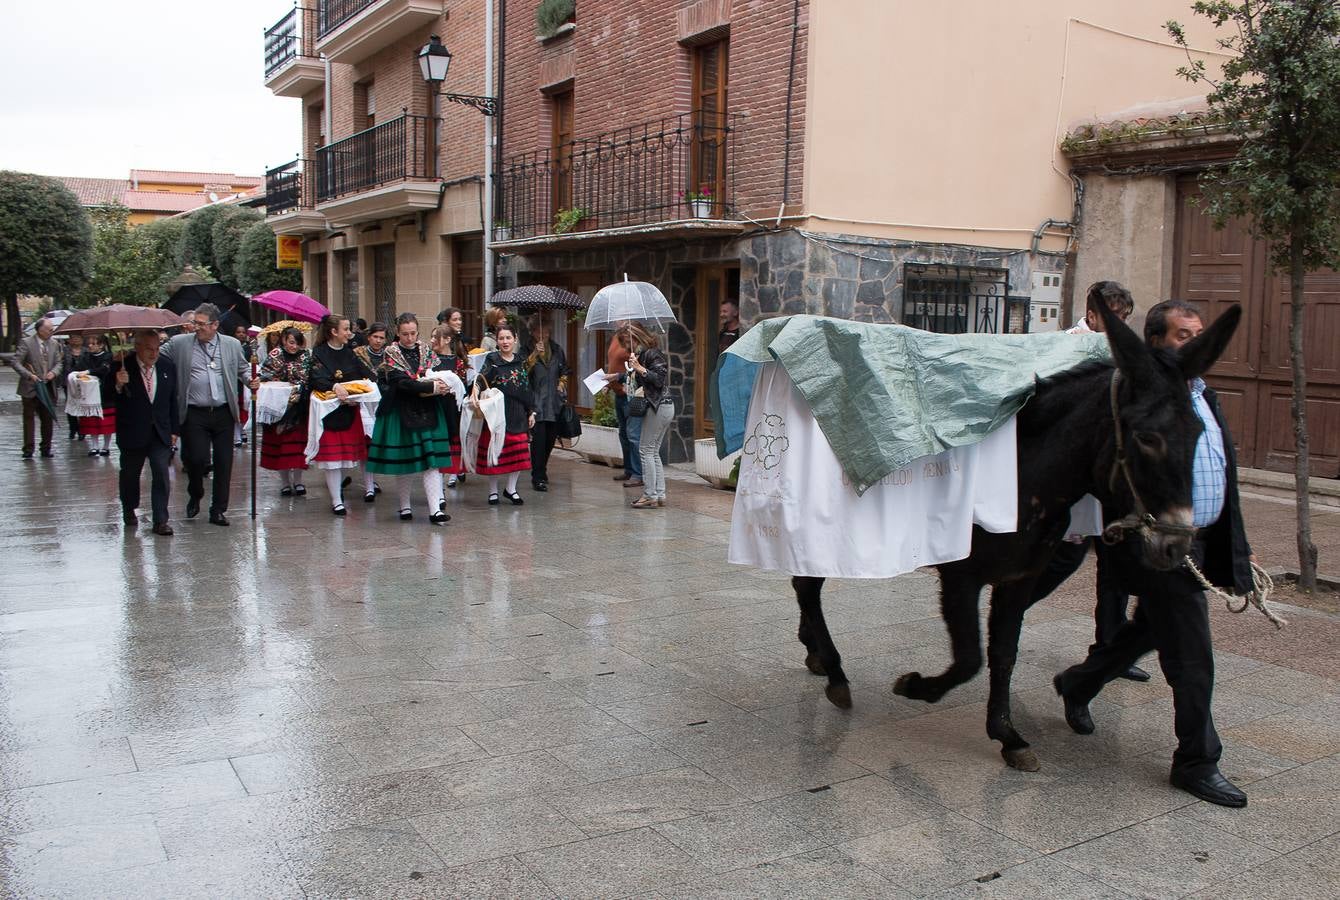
x=208, y=432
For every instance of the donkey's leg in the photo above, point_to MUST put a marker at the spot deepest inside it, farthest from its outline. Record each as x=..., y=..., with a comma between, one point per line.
x=958, y=607
x=1006, y=619
x=820, y=644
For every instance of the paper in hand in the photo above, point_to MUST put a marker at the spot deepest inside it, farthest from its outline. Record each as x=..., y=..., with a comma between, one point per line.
x=595, y=382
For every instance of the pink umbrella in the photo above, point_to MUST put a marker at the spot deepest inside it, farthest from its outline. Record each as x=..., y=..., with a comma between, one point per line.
x=295, y=305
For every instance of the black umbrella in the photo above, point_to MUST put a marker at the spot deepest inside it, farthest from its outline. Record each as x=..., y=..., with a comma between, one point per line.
x=189, y=296
x=538, y=296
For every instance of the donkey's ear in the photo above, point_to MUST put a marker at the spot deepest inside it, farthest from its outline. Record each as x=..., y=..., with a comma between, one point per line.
x=1198, y=354
x=1128, y=351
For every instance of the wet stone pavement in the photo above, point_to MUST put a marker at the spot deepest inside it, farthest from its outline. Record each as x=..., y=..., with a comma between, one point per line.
x=575, y=699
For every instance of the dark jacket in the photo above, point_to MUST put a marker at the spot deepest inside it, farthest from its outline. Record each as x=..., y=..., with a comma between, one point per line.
x=1227, y=552
x=137, y=421
x=100, y=366
x=655, y=381
x=512, y=379
x=544, y=382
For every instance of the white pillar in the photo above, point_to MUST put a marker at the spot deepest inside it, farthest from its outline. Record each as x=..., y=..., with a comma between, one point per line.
x=488, y=154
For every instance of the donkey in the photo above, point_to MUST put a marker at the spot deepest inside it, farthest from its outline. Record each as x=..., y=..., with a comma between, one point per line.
x=1124, y=432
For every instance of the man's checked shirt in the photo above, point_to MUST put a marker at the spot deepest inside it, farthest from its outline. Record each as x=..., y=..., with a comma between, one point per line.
x=1209, y=476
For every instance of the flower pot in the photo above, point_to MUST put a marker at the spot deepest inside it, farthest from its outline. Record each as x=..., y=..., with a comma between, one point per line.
x=502, y=233
x=599, y=444
x=715, y=472
x=702, y=209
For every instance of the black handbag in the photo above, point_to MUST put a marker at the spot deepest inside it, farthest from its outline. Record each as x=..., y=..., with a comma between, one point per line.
x=637, y=406
x=568, y=426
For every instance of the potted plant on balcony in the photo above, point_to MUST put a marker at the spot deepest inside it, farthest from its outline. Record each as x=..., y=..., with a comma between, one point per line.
x=700, y=202
x=502, y=230
x=568, y=219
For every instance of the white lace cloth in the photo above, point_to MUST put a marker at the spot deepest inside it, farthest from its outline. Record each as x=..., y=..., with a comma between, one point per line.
x=493, y=414
x=83, y=395
x=272, y=401
x=319, y=409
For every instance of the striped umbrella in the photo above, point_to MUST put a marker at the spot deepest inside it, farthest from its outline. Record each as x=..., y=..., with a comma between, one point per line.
x=538, y=296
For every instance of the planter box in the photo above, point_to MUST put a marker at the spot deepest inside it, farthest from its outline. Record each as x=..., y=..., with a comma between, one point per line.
x=702, y=209
x=599, y=444
x=715, y=472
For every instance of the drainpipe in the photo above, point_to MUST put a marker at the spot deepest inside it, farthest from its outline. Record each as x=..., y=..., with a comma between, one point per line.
x=488, y=153
x=790, y=92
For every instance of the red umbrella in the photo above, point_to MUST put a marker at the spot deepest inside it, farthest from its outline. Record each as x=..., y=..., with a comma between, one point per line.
x=295, y=305
x=117, y=317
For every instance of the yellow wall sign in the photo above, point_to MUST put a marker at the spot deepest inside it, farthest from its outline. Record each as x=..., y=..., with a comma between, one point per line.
x=288, y=251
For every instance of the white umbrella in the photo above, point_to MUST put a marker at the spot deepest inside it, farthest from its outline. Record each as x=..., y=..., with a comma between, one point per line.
x=628, y=301
x=54, y=316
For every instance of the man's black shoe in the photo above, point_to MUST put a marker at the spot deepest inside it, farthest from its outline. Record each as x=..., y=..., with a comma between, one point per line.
x=164, y=529
x=192, y=508
x=1076, y=714
x=541, y=486
x=218, y=519
x=47, y=454
x=130, y=521
x=1135, y=673
x=1211, y=787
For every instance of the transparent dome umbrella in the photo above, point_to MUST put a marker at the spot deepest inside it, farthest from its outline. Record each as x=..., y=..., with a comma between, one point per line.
x=628, y=301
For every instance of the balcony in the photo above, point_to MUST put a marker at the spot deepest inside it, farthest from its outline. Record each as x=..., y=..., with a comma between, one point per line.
x=387, y=170
x=290, y=201
x=672, y=177
x=292, y=66
x=349, y=31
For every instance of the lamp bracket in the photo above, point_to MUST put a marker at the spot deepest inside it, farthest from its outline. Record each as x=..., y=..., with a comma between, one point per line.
x=486, y=105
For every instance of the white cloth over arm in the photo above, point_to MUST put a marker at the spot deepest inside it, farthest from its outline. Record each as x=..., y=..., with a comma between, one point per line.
x=452, y=381
x=84, y=397
x=319, y=409
x=796, y=511
x=272, y=401
x=493, y=415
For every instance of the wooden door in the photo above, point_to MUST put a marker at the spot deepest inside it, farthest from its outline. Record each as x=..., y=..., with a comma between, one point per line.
x=561, y=138
x=1217, y=268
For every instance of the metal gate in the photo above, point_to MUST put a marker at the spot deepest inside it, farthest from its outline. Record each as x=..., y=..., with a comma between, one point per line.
x=958, y=299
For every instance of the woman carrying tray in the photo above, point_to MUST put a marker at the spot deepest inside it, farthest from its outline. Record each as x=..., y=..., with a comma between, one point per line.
x=283, y=443
x=331, y=364
x=411, y=432
x=452, y=357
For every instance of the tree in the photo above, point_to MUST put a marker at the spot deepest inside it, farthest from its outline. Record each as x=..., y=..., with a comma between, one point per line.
x=255, y=264
x=226, y=237
x=129, y=264
x=197, y=239
x=166, y=237
x=46, y=242
x=1279, y=94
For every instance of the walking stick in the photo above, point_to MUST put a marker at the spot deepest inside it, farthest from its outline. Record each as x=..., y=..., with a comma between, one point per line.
x=254, y=362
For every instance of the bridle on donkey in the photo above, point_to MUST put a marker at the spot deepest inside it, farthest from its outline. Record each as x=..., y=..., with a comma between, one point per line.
x=1139, y=519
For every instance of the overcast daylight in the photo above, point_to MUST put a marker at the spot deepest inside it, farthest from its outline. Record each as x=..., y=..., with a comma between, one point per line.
x=146, y=84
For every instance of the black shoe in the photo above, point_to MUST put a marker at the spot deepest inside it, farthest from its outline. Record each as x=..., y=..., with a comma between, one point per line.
x=515, y=498
x=346, y=482
x=376, y=488
x=93, y=453
x=104, y=453
x=439, y=518
x=1135, y=673
x=286, y=491
x=300, y=490
x=1211, y=787
x=369, y=496
x=192, y=508
x=47, y=454
x=163, y=528
x=624, y=477
x=406, y=515
x=493, y=499
x=1076, y=714
x=218, y=519
x=541, y=486
x=339, y=510
x=27, y=456
x=130, y=521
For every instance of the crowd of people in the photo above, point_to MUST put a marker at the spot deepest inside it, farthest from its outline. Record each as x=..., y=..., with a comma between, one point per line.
x=194, y=389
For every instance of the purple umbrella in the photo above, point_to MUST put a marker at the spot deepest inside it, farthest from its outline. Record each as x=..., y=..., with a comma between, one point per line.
x=294, y=305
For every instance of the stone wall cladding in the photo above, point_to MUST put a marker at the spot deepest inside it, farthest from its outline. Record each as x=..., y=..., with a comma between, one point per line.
x=857, y=277
x=631, y=68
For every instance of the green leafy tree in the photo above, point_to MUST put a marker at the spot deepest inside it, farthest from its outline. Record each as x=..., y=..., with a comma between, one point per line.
x=129, y=265
x=46, y=242
x=1279, y=94
x=197, y=239
x=255, y=264
x=226, y=237
x=166, y=237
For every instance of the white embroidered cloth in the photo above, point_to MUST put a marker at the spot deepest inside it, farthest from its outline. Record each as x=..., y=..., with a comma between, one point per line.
x=319, y=409
x=796, y=511
x=272, y=401
x=84, y=395
x=493, y=413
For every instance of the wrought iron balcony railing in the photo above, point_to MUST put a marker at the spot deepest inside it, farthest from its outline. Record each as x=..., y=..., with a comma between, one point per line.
x=334, y=13
x=399, y=150
x=291, y=37
x=675, y=168
x=287, y=190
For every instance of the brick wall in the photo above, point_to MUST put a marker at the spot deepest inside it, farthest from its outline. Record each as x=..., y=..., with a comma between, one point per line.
x=630, y=67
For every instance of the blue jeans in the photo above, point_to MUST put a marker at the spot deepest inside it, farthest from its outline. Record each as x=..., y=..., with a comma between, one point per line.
x=630, y=434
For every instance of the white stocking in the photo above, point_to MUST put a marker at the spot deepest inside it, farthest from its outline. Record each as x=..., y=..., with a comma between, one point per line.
x=512, y=479
x=493, y=484
x=402, y=484
x=432, y=489
x=333, y=479
x=368, y=483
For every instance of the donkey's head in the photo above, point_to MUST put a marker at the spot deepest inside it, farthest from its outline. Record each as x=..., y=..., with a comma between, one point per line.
x=1145, y=470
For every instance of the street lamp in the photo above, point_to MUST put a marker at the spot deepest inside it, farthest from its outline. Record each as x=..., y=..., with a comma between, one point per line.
x=434, y=61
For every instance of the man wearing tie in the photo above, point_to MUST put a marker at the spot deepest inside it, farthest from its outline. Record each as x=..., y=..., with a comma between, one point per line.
x=38, y=359
x=209, y=368
x=146, y=420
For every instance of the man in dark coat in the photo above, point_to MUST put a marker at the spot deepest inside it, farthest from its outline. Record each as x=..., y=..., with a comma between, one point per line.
x=1172, y=615
x=146, y=420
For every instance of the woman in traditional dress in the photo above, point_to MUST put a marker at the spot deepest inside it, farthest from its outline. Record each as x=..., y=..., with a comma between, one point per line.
x=283, y=443
x=449, y=345
x=343, y=445
x=547, y=366
x=96, y=360
x=373, y=353
x=505, y=369
x=411, y=434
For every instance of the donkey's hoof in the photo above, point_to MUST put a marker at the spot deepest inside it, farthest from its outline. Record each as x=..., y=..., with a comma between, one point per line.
x=812, y=663
x=839, y=695
x=1021, y=758
x=903, y=686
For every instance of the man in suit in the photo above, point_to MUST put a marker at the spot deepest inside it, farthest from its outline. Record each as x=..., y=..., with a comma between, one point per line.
x=146, y=420
x=38, y=359
x=209, y=367
x=1172, y=615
